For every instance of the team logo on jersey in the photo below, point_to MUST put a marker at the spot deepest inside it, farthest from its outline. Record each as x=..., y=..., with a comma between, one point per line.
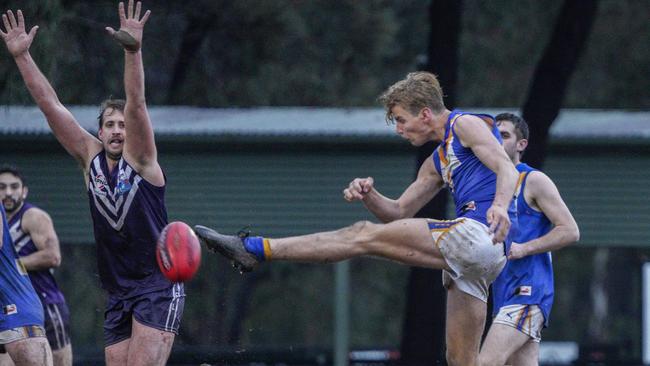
x=100, y=184
x=524, y=291
x=100, y=181
x=10, y=309
x=123, y=185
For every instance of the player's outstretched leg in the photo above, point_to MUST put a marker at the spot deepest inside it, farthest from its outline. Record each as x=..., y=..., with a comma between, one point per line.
x=231, y=246
x=406, y=241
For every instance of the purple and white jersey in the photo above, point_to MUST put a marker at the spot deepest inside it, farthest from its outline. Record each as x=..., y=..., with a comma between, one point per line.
x=128, y=215
x=42, y=280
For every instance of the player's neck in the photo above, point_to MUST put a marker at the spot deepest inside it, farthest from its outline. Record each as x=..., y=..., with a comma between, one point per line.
x=439, y=124
x=112, y=160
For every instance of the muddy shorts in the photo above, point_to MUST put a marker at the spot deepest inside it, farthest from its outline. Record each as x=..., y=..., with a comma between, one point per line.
x=474, y=261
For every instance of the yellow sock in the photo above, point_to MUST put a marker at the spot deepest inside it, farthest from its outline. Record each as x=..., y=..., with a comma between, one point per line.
x=267, y=249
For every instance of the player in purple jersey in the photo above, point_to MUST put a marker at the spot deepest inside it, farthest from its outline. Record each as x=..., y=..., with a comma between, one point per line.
x=465, y=248
x=37, y=245
x=523, y=292
x=126, y=189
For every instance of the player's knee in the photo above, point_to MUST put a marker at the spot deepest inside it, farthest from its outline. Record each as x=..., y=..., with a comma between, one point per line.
x=359, y=228
x=485, y=359
x=360, y=233
x=62, y=356
x=459, y=357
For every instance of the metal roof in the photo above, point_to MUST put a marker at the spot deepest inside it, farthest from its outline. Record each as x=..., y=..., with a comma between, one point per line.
x=295, y=121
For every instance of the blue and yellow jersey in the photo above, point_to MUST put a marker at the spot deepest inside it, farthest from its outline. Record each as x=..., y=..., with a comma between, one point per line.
x=528, y=280
x=472, y=184
x=20, y=305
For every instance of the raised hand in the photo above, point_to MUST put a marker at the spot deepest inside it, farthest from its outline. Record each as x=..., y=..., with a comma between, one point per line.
x=14, y=35
x=131, y=26
x=358, y=189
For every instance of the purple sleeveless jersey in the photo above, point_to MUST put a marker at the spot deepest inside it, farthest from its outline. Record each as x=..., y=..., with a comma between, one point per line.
x=128, y=215
x=43, y=280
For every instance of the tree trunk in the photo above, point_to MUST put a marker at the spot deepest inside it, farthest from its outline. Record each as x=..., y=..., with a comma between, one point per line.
x=193, y=37
x=423, y=337
x=545, y=97
x=553, y=72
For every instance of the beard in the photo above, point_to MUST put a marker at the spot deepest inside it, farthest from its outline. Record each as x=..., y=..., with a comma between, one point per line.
x=11, y=205
x=114, y=156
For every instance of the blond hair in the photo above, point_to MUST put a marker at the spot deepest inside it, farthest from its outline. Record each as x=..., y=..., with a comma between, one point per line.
x=417, y=91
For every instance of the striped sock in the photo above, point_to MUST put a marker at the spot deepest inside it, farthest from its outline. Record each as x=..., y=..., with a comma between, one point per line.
x=259, y=247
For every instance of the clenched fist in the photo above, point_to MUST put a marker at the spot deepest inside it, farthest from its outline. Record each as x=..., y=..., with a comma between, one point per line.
x=358, y=189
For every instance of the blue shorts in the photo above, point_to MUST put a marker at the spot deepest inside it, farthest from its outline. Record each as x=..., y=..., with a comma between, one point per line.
x=160, y=309
x=57, y=325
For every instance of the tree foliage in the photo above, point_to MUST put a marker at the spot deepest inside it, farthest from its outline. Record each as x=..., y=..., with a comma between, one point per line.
x=322, y=53
x=319, y=53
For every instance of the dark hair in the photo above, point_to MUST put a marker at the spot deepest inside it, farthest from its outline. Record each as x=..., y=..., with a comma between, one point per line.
x=521, y=127
x=13, y=171
x=115, y=104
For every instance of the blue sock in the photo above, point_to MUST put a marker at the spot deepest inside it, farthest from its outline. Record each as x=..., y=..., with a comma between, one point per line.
x=255, y=246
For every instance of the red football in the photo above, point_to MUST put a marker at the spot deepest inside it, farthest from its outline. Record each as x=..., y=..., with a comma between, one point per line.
x=178, y=252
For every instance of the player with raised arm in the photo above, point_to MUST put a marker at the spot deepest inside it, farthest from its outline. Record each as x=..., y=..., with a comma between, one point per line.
x=126, y=188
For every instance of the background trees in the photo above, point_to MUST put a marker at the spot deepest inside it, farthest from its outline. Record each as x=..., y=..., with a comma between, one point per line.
x=320, y=53
x=500, y=53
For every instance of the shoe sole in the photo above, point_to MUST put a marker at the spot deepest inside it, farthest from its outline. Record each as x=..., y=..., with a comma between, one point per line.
x=229, y=246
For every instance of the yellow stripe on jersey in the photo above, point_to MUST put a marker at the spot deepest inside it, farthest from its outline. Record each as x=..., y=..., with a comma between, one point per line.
x=442, y=153
x=520, y=180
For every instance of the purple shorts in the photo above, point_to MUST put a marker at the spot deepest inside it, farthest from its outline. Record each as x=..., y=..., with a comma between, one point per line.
x=57, y=325
x=161, y=310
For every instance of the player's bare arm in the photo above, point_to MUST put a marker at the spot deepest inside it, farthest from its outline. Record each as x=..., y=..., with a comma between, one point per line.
x=475, y=134
x=542, y=194
x=427, y=184
x=38, y=224
x=362, y=189
x=77, y=141
x=139, y=147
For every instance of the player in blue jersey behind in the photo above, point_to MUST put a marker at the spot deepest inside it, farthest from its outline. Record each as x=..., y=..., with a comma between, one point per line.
x=126, y=190
x=523, y=292
x=37, y=245
x=22, y=335
x=471, y=161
